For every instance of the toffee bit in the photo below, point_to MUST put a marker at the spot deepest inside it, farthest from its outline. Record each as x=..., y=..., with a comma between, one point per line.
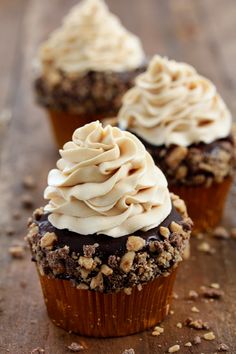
x=196, y=324
x=129, y=351
x=37, y=350
x=220, y=232
x=209, y=336
x=223, y=348
x=17, y=252
x=75, y=347
x=197, y=340
x=212, y=293
x=193, y=295
x=28, y=182
x=175, y=348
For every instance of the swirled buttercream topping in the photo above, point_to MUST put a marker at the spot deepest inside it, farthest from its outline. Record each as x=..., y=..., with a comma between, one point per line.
x=106, y=183
x=172, y=104
x=91, y=38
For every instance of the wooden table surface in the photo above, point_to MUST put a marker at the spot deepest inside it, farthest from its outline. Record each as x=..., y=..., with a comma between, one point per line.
x=200, y=32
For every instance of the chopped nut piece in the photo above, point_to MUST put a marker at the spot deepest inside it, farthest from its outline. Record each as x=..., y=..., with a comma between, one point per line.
x=127, y=261
x=17, y=252
x=129, y=351
x=192, y=295
x=106, y=270
x=27, y=201
x=157, y=331
x=221, y=233
x=195, y=309
x=205, y=247
x=212, y=293
x=215, y=285
x=164, y=231
x=188, y=344
x=37, y=350
x=86, y=263
x=128, y=291
x=75, y=347
x=139, y=287
x=82, y=286
x=180, y=206
x=179, y=325
x=48, y=239
x=175, y=348
x=209, y=336
x=197, y=340
x=28, y=182
x=223, y=348
x=89, y=250
x=172, y=312
x=175, y=227
x=175, y=157
x=196, y=324
x=135, y=243
x=97, y=282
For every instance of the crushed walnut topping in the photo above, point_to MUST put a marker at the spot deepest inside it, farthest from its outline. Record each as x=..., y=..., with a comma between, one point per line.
x=48, y=240
x=135, y=243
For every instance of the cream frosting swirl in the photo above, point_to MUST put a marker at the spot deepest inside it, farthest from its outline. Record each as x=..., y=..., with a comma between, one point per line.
x=172, y=104
x=106, y=183
x=91, y=38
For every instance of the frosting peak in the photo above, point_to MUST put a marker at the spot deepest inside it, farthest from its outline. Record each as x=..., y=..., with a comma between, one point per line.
x=91, y=38
x=106, y=183
x=172, y=104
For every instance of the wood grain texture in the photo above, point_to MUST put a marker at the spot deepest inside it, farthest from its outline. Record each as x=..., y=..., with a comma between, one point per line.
x=200, y=32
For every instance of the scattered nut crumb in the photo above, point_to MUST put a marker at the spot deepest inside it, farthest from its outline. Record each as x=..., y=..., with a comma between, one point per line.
x=174, y=348
x=195, y=309
x=157, y=331
x=188, y=344
x=129, y=351
x=27, y=201
x=75, y=347
x=164, y=231
x=223, y=348
x=196, y=324
x=193, y=295
x=135, y=243
x=175, y=296
x=215, y=285
x=179, y=325
x=172, y=312
x=221, y=233
x=206, y=248
x=28, y=182
x=209, y=336
x=212, y=293
x=197, y=340
x=48, y=239
x=17, y=252
x=37, y=351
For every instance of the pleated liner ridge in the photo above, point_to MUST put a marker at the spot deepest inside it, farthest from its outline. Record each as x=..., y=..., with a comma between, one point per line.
x=95, y=314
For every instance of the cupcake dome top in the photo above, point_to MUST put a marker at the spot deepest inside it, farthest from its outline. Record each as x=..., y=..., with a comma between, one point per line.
x=106, y=183
x=172, y=104
x=91, y=38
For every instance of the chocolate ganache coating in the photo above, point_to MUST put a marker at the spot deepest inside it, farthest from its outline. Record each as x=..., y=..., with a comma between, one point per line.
x=106, y=245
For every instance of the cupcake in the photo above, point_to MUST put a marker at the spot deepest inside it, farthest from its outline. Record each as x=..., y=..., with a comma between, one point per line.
x=187, y=128
x=85, y=67
x=108, y=243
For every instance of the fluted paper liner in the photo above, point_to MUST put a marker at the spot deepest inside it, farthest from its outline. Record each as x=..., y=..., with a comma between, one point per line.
x=205, y=204
x=95, y=314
